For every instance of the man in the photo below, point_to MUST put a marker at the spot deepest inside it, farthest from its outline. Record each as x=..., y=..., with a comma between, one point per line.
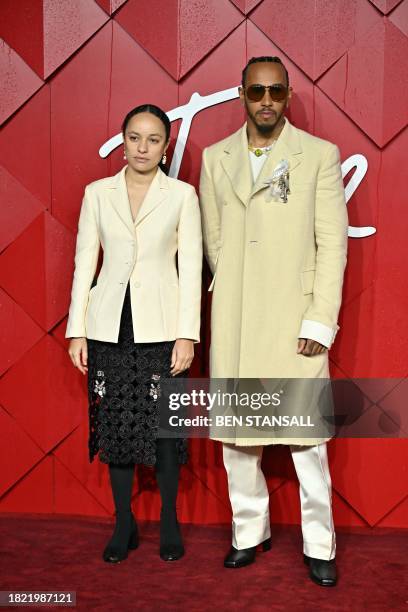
x=275, y=236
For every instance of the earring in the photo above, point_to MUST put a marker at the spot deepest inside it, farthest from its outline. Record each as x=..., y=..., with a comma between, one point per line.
x=164, y=158
x=124, y=154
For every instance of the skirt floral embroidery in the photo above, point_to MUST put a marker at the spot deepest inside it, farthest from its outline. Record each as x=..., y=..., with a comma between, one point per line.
x=123, y=389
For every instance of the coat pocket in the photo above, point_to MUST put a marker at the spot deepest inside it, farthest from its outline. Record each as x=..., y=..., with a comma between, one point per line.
x=307, y=278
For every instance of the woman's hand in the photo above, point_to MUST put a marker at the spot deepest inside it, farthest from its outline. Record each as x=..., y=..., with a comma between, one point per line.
x=78, y=351
x=182, y=356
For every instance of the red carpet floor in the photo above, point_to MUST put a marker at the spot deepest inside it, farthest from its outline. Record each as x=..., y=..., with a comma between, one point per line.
x=64, y=553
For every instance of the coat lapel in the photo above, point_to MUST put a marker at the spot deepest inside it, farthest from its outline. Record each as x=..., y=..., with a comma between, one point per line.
x=119, y=198
x=237, y=165
x=287, y=147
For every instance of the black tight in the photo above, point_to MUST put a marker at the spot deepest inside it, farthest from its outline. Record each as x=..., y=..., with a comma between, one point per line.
x=167, y=475
x=167, y=472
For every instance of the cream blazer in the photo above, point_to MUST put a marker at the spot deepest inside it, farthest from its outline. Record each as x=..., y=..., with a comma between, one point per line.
x=160, y=254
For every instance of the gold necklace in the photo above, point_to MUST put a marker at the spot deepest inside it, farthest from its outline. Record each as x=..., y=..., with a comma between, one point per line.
x=261, y=151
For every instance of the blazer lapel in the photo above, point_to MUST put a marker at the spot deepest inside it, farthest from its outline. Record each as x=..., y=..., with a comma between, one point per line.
x=287, y=147
x=155, y=196
x=237, y=165
x=119, y=197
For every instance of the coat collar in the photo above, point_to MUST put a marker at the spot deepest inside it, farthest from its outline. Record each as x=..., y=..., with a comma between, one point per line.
x=236, y=162
x=119, y=198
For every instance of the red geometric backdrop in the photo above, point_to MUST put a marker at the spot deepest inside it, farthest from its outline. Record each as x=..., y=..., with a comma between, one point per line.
x=70, y=72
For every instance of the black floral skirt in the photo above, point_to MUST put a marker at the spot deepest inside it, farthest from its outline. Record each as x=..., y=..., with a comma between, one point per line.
x=123, y=388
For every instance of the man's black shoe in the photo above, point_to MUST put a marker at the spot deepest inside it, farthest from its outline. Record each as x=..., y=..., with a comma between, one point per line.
x=322, y=572
x=240, y=558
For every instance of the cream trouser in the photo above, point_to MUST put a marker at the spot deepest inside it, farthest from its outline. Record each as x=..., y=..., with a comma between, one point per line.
x=249, y=497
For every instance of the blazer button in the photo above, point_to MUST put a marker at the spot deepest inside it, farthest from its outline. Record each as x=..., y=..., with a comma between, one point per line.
x=137, y=284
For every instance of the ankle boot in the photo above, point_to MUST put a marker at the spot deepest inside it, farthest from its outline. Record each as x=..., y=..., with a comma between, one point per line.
x=245, y=556
x=171, y=543
x=125, y=537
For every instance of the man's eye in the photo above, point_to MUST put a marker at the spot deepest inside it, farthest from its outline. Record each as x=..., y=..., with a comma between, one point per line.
x=132, y=137
x=154, y=141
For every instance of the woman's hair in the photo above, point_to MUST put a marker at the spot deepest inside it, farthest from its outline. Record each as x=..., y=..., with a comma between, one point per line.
x=157, y=112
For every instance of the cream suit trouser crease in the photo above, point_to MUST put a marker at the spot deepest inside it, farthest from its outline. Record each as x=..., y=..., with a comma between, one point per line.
x=249, y=497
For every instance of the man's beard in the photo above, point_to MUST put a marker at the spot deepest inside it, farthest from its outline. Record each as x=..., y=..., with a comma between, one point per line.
x=263, y=128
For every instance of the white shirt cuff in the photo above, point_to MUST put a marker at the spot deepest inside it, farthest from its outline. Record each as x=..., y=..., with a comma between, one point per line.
x=314, y=330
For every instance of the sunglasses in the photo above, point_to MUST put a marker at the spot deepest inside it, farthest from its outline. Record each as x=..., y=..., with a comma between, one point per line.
x=278, y=92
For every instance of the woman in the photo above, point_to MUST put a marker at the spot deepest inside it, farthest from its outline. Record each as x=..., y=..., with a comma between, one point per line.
x=140, y=321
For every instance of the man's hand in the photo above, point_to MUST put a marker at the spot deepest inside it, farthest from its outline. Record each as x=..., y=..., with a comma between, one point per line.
x=78, y=351
x=182, y=356
x=309, y=347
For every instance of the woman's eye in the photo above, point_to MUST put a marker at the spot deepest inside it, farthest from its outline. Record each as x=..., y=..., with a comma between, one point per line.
x=132, y=137
x=154, y=141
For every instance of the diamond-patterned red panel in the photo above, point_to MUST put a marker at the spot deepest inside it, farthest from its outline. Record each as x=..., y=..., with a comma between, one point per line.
x=72, y=453
x=225, y=65
x=370, y=83
x=70, y=494
x=18, y=81
x=399, y=17
x=34, y=492
x=45, y=33
x=397, y=517
x=18, y=332
x=314, y=33
x=344, y=513
x=385, y=5
x=84, y=85
x=246, y=5
x=392, y=244
x=67, y=26
x=23, y=29
x=25, y=146
x=394, y=406
x=373, y=354
x=371, y=496
x=192, y=29
x=18, y=208
x=18, y=452
x=42, y=288
x=126, y=93
x=58, y=332
x=331, y=123
x=45, y=379
x=110, y=6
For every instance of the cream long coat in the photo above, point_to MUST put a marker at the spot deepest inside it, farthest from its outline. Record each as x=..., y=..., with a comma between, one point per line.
x=278, y=267
x=165, y=303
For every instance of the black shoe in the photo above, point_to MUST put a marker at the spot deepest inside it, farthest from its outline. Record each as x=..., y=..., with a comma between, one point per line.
x=322, y=572
x=239, y=558
x=125, y=537
x=171, y=543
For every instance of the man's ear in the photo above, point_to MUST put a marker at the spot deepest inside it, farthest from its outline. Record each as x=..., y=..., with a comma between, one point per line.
x=289, y=97
x=241, y=94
